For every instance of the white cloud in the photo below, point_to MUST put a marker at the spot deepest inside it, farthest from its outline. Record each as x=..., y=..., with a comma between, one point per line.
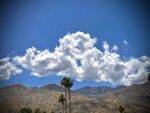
x=7, y=69
x=77, y=56
x=105, y=46
x=115, y=48
x=125, y=42
x=62, y=61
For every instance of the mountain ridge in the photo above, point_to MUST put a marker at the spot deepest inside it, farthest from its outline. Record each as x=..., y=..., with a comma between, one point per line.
x=135, y=99
x=86, y=90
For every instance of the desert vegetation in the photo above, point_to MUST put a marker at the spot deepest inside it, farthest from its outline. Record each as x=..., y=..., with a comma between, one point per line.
x=29, y=110
x=121, y=109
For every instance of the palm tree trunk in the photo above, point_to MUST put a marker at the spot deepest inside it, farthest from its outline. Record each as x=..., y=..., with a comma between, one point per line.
x=66, y=100
x=63, y=107
x=69, y=100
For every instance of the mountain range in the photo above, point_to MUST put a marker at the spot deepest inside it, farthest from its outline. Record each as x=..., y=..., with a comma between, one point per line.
x=87, y=90
x=135, y=98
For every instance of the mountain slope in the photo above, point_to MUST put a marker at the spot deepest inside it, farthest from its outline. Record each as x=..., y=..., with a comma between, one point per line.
x=53, y=87
x=97, y=90
x=93, y=90
x=135, y=99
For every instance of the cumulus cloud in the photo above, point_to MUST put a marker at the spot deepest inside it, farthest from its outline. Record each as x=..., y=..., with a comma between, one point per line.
x=115, y=48
x=105, y=46
x=77, y=56
x=7, y=69
x=125, y=42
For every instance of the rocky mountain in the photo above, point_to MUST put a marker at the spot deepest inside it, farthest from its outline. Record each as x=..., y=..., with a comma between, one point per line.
x=84, y=90
x=53, y=87
x=87, y=90
x=96, y=90
x=119, y=87
x=93, y=90
x=135, y=99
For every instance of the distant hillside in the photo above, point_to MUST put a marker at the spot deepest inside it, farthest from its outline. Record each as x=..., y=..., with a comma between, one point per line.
x=134, y=91
x=93, y=90
x=84, y=90
x=135, y=99
x=96, y=90
x=53, y=87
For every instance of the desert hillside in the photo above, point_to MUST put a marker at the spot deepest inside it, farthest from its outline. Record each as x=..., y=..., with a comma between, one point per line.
x=135, y=99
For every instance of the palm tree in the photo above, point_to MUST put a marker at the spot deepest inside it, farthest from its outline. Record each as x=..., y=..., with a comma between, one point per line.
x=69, y=84
x=62, y=100
x=63, y=83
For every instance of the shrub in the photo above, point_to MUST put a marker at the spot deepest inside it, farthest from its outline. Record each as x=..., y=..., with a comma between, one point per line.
x=121, y=109
x=29, y=110
x=26, y=110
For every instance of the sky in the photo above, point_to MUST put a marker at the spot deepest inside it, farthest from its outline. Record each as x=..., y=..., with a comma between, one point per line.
x=41, y=41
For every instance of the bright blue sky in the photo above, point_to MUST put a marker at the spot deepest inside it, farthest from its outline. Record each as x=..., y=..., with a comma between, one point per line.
x=41, y=23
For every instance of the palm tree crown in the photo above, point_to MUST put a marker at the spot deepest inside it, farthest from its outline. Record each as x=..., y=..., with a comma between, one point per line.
x=67, y=82
x=63, y=81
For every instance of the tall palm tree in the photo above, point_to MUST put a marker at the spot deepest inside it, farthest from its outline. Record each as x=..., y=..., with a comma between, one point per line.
x=63, y=83
x=68, y=85
x=62, y=100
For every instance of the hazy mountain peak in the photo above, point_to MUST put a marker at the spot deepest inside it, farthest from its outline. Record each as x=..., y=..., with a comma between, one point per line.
x=54, y=87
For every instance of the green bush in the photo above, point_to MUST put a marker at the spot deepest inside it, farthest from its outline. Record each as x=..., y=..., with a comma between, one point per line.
x=29, y=110
x=26, y=110
x=121, y=109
